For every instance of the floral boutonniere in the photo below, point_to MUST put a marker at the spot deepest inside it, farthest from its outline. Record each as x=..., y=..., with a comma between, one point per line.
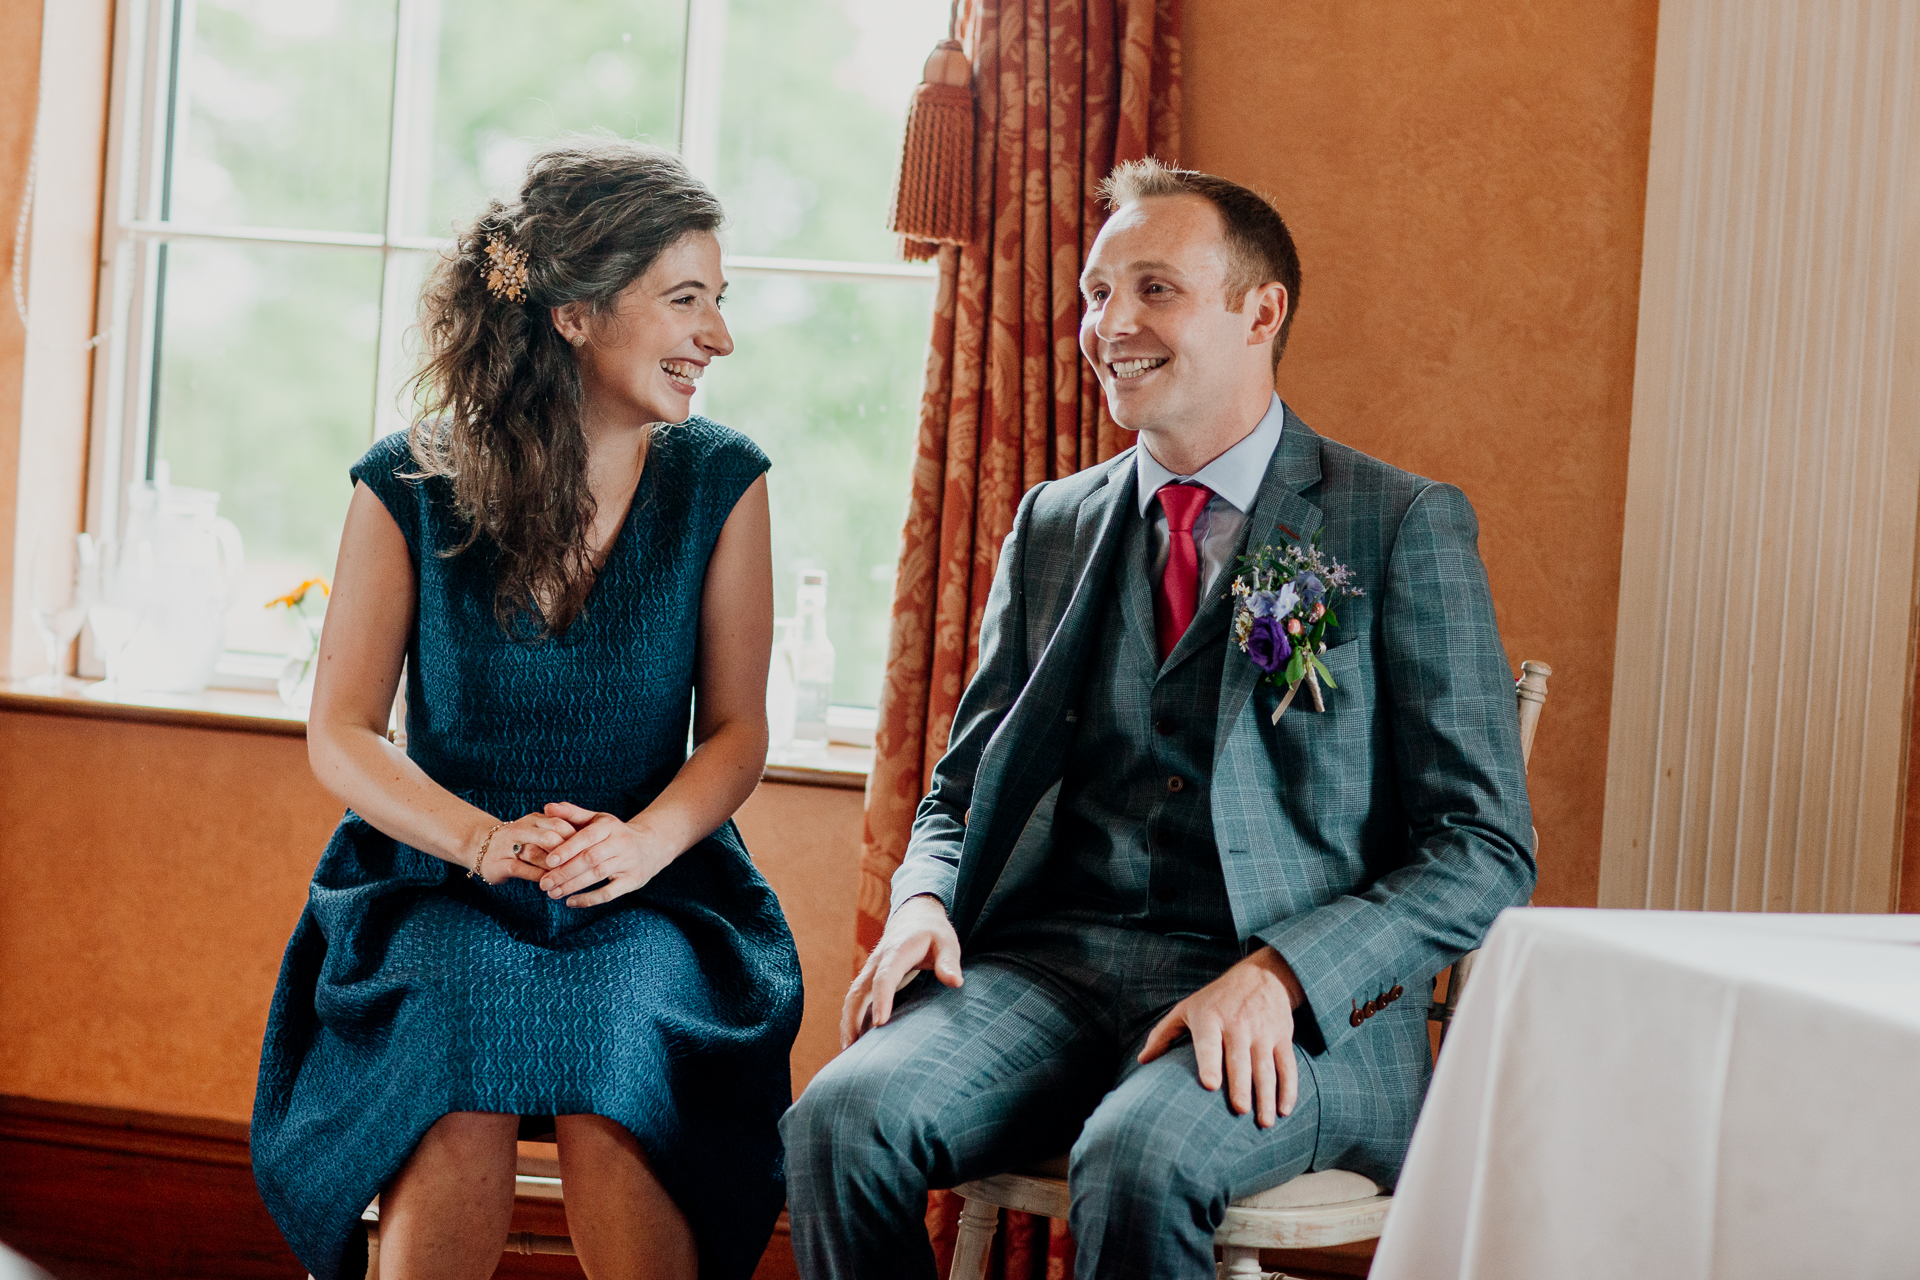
x=1284, y=600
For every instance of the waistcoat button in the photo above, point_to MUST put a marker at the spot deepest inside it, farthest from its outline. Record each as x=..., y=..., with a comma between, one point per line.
x=1163, y=727
x=1176, y=783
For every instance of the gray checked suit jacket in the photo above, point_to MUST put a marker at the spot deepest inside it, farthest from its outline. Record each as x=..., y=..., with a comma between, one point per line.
x=1370, y=844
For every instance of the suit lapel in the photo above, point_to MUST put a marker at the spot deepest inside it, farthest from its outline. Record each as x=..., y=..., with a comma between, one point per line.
x=1096, y=534
x=1280, y=514
x=1025, y=755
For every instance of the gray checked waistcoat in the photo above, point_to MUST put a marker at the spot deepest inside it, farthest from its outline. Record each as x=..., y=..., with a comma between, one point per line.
x=1133, y=827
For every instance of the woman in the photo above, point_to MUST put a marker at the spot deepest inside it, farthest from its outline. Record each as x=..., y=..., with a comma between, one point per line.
x=541, y=907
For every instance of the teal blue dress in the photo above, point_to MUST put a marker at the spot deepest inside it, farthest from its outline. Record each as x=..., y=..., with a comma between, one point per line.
x=409, y=991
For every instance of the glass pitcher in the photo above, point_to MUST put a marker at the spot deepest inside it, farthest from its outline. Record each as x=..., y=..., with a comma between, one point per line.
x=190, y=559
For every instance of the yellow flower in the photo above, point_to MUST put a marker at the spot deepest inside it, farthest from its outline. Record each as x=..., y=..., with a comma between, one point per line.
x=294, y=598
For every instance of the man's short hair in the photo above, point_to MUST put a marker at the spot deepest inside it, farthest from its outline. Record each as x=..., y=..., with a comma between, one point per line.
x=1259, y=246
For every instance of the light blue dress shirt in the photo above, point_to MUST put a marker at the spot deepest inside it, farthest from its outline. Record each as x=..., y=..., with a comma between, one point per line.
x=1234, y=477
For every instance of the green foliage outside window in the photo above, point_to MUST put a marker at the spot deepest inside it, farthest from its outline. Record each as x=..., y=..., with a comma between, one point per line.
x=512, y=75
x=283, y=114
x=267, y=389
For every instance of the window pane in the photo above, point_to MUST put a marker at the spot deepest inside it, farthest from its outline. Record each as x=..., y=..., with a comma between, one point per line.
x=266, y=396
x=825, y=376
x=812, y=102
x=400, y=340
x=511, y=75
x=282, y=113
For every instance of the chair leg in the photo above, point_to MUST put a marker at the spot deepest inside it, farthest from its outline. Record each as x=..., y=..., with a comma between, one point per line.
x=973, y=1245
x=1238, y=1263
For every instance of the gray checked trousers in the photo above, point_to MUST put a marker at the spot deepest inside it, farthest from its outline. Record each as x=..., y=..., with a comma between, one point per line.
x=1033, y=1055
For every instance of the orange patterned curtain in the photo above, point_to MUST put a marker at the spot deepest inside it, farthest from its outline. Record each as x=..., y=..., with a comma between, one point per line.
x=1064, y=90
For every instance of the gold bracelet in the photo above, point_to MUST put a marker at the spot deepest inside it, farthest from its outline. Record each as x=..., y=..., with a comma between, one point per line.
x=473, y=872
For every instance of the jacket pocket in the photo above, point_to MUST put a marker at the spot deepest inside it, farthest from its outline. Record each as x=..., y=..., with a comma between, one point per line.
x=1347, y=659
x=1333, y=747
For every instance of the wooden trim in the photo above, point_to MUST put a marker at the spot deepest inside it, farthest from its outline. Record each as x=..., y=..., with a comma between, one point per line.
x=194, y=1139
x=238, y=711
x=1907, y=889
x=225, y=709
x=43, y=433
x=795, y=775
x=116, y=1194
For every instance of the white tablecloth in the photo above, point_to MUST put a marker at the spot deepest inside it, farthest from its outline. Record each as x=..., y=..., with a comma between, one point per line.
x=1643, y=1095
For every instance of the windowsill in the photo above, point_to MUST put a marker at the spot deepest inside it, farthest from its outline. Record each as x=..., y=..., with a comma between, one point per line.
x=837, y=765
x=245, y=711
x=240, y=710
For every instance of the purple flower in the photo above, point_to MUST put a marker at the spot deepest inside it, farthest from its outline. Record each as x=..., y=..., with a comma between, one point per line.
x=1268, y=646
x=1312, y=590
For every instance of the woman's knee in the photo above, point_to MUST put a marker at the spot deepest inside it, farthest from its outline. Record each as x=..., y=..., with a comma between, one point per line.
x=472, y=1133
x=463, y=1149
x=584, y=1129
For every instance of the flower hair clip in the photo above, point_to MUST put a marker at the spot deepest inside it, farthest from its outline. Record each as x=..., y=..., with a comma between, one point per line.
x=506, y=270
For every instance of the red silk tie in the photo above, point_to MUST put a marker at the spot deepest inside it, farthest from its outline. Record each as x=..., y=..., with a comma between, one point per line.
x=1177, y=596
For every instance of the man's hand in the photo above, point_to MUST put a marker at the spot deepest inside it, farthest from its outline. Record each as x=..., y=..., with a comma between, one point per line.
x=918, y=936
x=1246, y=1017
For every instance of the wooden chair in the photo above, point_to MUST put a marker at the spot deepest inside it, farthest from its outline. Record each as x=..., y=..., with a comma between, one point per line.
x=1313, y=1211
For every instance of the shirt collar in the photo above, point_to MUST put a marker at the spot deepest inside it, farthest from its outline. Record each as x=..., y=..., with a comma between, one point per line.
x=1235, y=475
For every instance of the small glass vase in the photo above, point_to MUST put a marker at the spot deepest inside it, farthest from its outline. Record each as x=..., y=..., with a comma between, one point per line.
x=303, y=663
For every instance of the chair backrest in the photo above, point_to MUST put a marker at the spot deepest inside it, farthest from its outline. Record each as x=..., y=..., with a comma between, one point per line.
x=1531, y=689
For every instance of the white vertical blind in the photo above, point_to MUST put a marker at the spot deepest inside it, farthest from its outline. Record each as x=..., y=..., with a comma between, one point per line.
x=1761, y=676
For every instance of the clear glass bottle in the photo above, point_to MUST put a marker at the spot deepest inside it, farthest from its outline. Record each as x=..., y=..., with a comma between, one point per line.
x=812, y=662
x=780, y=690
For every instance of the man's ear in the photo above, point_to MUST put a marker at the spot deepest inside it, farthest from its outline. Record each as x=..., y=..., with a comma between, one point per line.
x=1269, y=304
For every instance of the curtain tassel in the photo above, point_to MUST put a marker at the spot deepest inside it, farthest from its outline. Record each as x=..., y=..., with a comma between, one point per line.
x=933, y=199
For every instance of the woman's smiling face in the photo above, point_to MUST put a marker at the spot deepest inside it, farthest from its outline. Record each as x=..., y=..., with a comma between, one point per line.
x=641, y=362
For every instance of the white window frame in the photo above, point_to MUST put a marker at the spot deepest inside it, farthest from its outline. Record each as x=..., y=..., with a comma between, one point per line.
x=148, y=36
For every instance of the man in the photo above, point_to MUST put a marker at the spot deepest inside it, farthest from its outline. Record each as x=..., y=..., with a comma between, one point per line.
x=1187, y=942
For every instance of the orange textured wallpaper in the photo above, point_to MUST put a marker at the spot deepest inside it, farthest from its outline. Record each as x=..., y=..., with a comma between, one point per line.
x=1466, y=182
x=154, y=873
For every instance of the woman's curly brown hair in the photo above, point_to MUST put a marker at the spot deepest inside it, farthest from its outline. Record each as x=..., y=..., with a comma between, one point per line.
x=499, y=388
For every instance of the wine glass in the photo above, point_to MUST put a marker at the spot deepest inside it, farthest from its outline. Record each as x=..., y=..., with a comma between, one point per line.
x=61, y=585
x=118, y=609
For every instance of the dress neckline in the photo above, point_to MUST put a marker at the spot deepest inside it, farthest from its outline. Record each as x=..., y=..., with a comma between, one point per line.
x=615, y=547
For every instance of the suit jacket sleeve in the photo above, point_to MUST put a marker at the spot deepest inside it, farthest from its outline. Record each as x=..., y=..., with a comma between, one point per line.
x=932, y=861
x=1462, y=782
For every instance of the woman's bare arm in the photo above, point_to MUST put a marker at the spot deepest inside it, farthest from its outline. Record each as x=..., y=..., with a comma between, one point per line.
x=368, y=617
x=729, y=728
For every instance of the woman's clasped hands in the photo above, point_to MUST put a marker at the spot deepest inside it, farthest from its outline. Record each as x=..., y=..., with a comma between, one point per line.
x=570, y=850
x=600, y=848
x=517, y=850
